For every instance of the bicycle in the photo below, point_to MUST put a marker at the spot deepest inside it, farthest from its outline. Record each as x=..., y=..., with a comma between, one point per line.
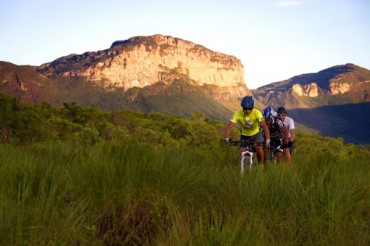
x=272, y=150
x=248, y=156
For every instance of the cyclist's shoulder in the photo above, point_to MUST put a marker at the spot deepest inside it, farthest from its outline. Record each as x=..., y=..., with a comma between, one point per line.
x=238, y=114
x=256, y=113
x=287, y=118
x=289, y=121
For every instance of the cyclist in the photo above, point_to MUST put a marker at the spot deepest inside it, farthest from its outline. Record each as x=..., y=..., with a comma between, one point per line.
x=289, y=123
x=249, y=120
x=278, y=133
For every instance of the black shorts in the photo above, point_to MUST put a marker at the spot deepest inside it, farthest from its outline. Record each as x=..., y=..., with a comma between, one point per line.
x=276, y=144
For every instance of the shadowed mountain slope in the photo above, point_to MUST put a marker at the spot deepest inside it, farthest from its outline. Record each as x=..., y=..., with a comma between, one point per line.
x=349, y=121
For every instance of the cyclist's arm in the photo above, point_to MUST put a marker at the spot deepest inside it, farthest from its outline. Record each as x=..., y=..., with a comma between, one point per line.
x=266, y=130
x=291, y=129
x=228, y=128
x=285, y=132
x=292, y=135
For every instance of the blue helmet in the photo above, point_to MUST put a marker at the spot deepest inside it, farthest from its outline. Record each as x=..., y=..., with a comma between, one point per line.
x=268, y=113
x=247, y=102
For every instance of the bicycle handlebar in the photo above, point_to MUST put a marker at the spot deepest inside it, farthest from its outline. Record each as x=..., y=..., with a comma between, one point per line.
x=248, y=142
x=237, y=142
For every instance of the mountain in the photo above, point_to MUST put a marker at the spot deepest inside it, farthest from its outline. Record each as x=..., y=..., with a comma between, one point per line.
x=341, y=84
x=165, y=74
x=144, y=73
x=333, y=102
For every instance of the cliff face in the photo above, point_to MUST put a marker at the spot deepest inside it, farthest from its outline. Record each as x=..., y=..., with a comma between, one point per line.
x=335, y=88
x=310, y=90
x=144, y=61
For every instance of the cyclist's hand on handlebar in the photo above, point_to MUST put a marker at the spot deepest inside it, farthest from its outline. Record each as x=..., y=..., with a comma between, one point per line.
x=227, y=140
x=267, y=142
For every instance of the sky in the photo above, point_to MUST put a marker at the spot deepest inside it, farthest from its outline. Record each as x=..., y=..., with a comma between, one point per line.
x=274, y=39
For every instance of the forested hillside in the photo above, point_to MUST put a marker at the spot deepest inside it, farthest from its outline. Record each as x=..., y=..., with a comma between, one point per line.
x=23, y=123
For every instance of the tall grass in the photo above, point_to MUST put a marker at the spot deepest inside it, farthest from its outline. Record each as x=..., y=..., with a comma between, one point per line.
x=135, y=194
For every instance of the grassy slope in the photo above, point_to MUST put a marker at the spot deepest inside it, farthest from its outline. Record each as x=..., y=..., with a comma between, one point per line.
x=109, y=193
x=181, y=99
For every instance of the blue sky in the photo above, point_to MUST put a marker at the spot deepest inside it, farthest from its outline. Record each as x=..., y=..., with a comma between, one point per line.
x=274, y=39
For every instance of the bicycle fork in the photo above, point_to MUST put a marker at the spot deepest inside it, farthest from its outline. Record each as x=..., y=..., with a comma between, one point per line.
x=247, y=158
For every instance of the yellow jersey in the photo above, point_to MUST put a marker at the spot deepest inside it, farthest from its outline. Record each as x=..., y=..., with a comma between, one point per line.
x=249, y=124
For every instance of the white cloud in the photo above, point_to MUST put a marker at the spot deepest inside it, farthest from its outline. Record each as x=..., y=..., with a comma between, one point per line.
x=288, y=3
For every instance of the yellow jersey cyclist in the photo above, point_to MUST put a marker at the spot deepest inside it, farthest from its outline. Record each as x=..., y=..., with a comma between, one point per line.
x=250, y=121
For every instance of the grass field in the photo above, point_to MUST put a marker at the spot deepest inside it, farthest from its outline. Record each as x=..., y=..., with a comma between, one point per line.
x=139, y=194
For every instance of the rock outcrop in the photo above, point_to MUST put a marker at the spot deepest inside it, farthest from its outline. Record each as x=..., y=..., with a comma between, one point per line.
x=310, y=90
x=144, y=61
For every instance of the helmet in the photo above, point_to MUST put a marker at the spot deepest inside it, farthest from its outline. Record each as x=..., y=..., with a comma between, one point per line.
x=268, y=113
x=281, y=110
x=247, y=102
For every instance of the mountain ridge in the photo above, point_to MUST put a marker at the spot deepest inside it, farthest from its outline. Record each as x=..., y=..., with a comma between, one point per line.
x=340, y=84
x=142, y=60
x=165, y=74
x=110, y=78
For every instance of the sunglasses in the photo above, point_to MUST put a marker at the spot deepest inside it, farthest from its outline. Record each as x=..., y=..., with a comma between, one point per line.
x=247, y=108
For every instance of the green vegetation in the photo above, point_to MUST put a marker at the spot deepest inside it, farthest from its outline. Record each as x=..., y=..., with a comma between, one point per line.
x=21, y=124
x=76, y=175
